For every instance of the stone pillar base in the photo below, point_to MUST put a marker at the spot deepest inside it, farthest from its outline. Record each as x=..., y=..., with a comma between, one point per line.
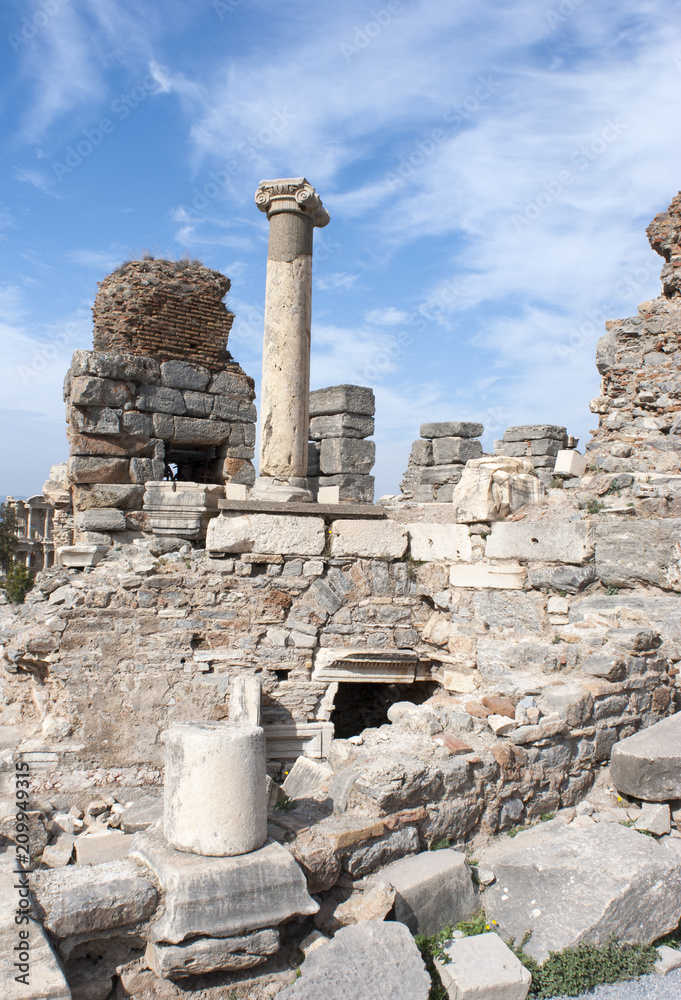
x=281, y=490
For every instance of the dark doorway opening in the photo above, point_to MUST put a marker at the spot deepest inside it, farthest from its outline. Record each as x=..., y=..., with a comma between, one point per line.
x=365, y=706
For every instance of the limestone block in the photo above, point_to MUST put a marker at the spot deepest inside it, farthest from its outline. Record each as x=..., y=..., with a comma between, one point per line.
x=124, y=496
x=236, y=491
x=422, y=452
x=655, y=818
x=530, y=432
x=433, y=889
x=482, y=967
x=552, y=541
x=101, y=848
x=306, y=778
x=229, y=408
x=572, y=579
x=366, y=961
x=160, y=399
x=79, y=900
x=328, y=494
x=639, y=552
x=342, y=399
x=143, y=470
x=122, y=446
x=570, y=701
x=100, y=519
x=60, y=853
x=569, y=463
x=219, y=897
x=439, y=542
x=183, y=375
x=436, y=475
x=569, y=884
x=290, y=740
x=215, y=794
x=648, y=765
x=194, y=431
x=351, y=425
x=231, y=384
x=510, y=576
x=455, y=449
x=245, y=697
x=359, y=489
x=352, y=455
x=128, y=367
x=98, y=470
x=94, y=420
x=670, y=958
x=141, y=814
x=368, y=539
x=138, y=425
x=365, y=665
x=44, y=979
x=375, y=854
x=199, y=404
x=208, y=954
x=80, y=556
x=88, y=391
x=278, y=534
x=452, y=428
x=164, y=426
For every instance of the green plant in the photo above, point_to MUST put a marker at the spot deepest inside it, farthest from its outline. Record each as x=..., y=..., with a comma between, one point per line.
x=485, y=532
x=672, y=940
x=562, y=593
x=556, y=639
x=579, y=969
x=8, y=536
x=285, y=804
x=556, y=484
x=18, y=582
x=614, y=489
x=594, y=506
x=479, y=924
x=611, y=590
x=440, y=845
x=513, y=831
x=545, y=817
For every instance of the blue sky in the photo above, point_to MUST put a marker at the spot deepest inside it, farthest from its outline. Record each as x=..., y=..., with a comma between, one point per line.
x=489, y=169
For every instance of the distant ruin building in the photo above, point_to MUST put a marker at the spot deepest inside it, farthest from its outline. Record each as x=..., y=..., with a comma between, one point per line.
x=639, y=360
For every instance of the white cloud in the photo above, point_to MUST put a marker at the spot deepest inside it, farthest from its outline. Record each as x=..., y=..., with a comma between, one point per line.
x=336, y=282
x=386, y=317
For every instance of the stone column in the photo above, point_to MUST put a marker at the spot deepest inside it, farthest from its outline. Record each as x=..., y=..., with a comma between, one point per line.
x=215, y=788
x=293, y=209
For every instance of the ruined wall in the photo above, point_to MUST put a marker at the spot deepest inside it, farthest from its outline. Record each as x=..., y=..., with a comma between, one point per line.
x=639, y=359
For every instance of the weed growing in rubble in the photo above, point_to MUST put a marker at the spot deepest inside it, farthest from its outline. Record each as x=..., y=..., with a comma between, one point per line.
x=545, y=817
x=440, y=845
x=285, y=804
x=579, y=969
x=556, y=639
x=612, y=591
x=672, y=940
x=595, y=506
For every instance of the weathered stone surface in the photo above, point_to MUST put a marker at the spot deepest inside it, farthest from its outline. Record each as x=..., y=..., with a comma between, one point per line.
x=351, y=425
x=125, y=496
x=342, y=399
x=482, y=967
x=368, y=539
x=227, y=408
x=131, y=367
x=504, y=577
x=159, y=399
x=353, y=455
x=102, y=848
x=44, y=979
x=233, y=384
x=550, y=541
x=452, y=428
x=77, y=900
x=439, y=542
x=267, y=533
x=121, y=446
x=367, y=961
x=359, y=489
x=89, y=391
x=137, y=425
x=182, y=375
x=639, y=552
x=571, y=579
x=392, y=846
x=531, y=432
x=569, y=884
x=655, y=818
x=374, y=903
x=100, y=519
x=194, y=431
x=94, y=420
x=98, y=470
x=437, y=475
x=570, y=701
x=207, y=954
x=199, y=404
x=455, y=449
x=79, y=556
x=422, y=452
x=433, y=889
x=219, y=897
x=141, y=814
x=569, y=463
x=307, y=779
x=648, y=764
x=60, y=853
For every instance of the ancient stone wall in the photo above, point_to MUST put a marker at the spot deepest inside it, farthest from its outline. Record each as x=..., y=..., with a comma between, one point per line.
x=341, y=419
x=438, y=458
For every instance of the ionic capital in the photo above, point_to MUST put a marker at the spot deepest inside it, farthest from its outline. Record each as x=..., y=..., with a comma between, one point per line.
x=291, y=194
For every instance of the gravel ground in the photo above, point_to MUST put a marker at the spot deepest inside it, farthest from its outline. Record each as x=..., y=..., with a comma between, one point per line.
x=646, y=988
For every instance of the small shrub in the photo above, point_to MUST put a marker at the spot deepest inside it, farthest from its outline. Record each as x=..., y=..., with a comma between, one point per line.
x=612, y=591
x=579, y=969
x=594, y=506
x=545, y=817
x=285, y=804
x=440, y=845
x=556, y=639
x=615, y=489
x=18, y=582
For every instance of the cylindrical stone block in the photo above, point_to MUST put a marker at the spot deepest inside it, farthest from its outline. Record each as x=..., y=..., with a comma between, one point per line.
x=215, y=791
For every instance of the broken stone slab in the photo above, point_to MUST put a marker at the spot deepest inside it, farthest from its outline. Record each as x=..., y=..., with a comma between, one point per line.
x=221, y=897
x=307, y=779
x=141, y=814
x=433, y=889
x=646, y=552
x=482, y=967
x=543, y=731
x=351, y=425
x=569, y=884
x=278, y=534
x=571, y=579
x=208, y=954
x=60, y=853
x=80, y=556
x=452, y=428
x=100, y=520
x=670, y=958
x=100, y=848
x=367, y=961
x=366, y=539
x=342, y=399
x=571, y=702
x=245, y=698
x=655, y=818
x=375, y=854
x=552, y=541
x=78, y=900
x=437, y=475
x=374, y=903
x=509, y=576
x=41, y=975
x=648, y=765
x=439, y=542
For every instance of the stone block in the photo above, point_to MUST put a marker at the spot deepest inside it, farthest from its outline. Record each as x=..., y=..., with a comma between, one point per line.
x=342, y=399
x=569, y=463
x=199, y=404
x=352, y=425
x=307, y=779
x=234, y=409
x=552, y=541
x=568, y=884
x=439, y=542
x=194, y=431
x=571, y=579
x=433, y=889
x=479, y=577
x=371, y=960
x=571, y=702
x=102, y=848
x=655, y=818
x=278, y=534
x=124, y=496
x=375, y=854
x=100, y=519
x=207, y=954
x=236, y=491
x=645, y=551
x=89, y=391
x=482, y=967
x=452, y=428
x=164, y=426
x=121, y=446
x=313, y=459
x=543, y=447
x=80, y=556
x=79, y=900
x=60, y=853
x=422, y=452
x=232, y=384
x=436, y=475
x=670, y=958
x=144, y=470
x=221, y=897
x=183, y=375
x=290, y=740
x=160, y=399
x=137, y=425
x=353, y=489
x=368, y=539
x=328, y=494
x=530, y=432
x=94, y=420
x=98, y=470
x=141, y=814
x=353, y=455
x=455, y=449
x=648, y=765
x=128, y=367
x=245, y=700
